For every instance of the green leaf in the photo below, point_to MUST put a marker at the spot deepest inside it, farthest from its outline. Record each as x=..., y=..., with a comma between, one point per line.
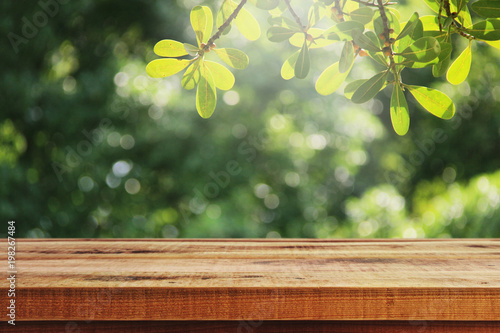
x=392, y=19
x=445, y=53
x=298, y=39
x=202, y=23
x=316, y=13
x=288, y=68
x=343, y=30
x=233, y=57
x=487, y=8
x=265, y=4
x=223, y=78
x=424, y=49
x=486, y=30
x=206, y=95
x=279, y=34
x=370, y=88
x=459, y=5
x=459, y=69
x=284, y=22
x=303, y=62
x=430, y=22
x=346, y=57
x=403, y=43
x=400, y=116
x=192, y=75
x=225, y=11
x=352, y=86
x=433, y=4
x=191, y=49
x=363, y=15
x=364, y=42
x=246, y=23
x=410, y=25
x=433, y=101
x=331, y=79
x=166, y=67
x=441, y=67
x=464, y=18
x=170, y=48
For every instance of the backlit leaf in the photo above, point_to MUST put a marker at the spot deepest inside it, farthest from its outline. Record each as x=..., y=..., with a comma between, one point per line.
x=192, y=75
x=410, y=25
x=424, y=49
x=166, y=67
x=202, y=23
x=206, y=95
x=316, y=13
x=433, y=4
x=486, y=30
x=170, y=48
x=331, y=79
x=400, y=116
x=346, y=57
x=459, y=69
x=246, y=23
x=370, y=88
x=279, y=34
x=343, y=30
x=223, y=78
x=433, y=101
x=352, y=86
x=441, y=67
x=233, y=57
x=288, y=68
x=265, y=4
x=191, y=49
x=226, y=9
x=487, y=8
x=362, y=15
x=364, y=42
x=303, y=62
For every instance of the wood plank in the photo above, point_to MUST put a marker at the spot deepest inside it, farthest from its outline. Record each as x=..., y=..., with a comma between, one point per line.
x=256, y=279
x=253, y=327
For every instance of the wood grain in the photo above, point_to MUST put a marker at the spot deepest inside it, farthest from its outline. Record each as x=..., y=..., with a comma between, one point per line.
x=253, y=327
x=255, y=279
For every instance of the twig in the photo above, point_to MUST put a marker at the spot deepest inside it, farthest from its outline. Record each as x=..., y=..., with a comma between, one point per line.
x=224, y=25
x=373, y=4
x=387, y=37
x=295, y=16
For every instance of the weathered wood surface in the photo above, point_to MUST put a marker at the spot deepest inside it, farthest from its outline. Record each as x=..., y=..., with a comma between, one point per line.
x=255, y=279
x=253, y=327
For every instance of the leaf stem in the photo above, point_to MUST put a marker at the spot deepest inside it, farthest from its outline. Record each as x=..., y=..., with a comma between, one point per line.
x=386, y=33
x=224, y=25
x=295, y=16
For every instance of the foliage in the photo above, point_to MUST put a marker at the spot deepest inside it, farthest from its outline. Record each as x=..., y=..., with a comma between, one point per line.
x=370, y=28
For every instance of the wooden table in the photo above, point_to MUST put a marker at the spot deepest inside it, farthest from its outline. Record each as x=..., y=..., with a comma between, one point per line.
x=255, y=285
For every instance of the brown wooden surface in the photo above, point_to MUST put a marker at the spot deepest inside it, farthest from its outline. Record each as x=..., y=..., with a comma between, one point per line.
x=253, y=327
x=254, y=279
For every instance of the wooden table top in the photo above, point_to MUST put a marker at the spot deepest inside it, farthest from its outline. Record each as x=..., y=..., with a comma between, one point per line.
x=256, y=279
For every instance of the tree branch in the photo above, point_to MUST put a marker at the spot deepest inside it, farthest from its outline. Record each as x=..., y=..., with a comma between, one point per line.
x=224, y=25
x=295, y=16
x=386, y=33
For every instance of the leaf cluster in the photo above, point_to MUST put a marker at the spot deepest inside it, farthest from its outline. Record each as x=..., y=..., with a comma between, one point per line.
x=371, y=29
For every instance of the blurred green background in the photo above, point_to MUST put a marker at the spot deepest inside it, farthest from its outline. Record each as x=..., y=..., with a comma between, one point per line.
x=90, y=146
